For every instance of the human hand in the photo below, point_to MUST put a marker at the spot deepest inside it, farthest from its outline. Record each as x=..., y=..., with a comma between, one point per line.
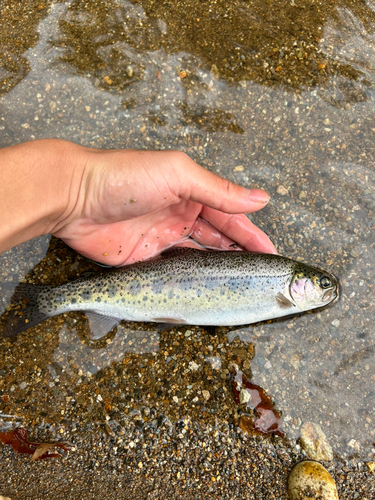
x=132, y=205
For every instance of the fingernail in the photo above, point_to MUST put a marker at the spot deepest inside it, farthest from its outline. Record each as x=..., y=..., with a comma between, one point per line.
x=259, y=196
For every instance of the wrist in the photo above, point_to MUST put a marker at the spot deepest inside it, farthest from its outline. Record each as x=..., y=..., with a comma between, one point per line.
x=39, y=185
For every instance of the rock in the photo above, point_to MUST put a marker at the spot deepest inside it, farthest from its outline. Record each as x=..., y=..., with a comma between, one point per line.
x=193, y=366
x=315, y=443
x=309, y=480
x=245, y=396
x=215, y=72
x=282, y=190
x=206, y=395
x=371, y=466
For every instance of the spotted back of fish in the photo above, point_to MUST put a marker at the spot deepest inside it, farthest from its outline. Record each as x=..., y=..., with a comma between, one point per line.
x=185, y=286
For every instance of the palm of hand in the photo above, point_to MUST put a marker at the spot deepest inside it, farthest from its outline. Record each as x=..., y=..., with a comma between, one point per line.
x=140, y=238
x=135, y=204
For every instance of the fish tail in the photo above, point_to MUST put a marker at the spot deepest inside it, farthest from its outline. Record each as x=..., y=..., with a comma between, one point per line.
x=24, y=311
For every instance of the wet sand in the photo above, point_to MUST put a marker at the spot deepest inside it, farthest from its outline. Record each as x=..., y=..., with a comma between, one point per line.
x=278, y=97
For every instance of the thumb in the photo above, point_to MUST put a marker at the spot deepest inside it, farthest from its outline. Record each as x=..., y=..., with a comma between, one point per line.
x=202, y=186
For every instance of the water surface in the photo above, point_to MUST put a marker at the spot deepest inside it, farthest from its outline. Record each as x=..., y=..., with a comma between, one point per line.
x=281, y=99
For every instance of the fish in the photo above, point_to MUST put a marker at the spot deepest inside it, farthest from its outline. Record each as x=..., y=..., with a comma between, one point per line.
x=186, y=287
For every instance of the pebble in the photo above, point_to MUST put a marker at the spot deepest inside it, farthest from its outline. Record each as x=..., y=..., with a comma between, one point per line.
x=310, y=480
x=245, y=396
x=315, y=443
x=193, y=366
x=206, y=395
x=215, y=72
x=371, y=466
x=282, y=190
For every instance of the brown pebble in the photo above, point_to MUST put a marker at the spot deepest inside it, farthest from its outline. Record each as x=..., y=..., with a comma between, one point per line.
x=309, y=480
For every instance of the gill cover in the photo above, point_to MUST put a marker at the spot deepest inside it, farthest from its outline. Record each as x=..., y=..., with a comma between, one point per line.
x=310, y=288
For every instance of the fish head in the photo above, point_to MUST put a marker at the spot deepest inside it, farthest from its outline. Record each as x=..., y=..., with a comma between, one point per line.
x=311, y=288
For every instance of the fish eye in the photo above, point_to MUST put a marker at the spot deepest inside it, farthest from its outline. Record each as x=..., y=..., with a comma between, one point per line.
x=325, y=282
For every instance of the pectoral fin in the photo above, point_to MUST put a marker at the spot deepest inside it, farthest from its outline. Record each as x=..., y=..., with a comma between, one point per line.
x=283, y=302
x=100, y=325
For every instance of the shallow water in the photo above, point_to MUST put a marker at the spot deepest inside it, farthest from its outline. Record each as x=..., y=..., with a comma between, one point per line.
x=288, y=107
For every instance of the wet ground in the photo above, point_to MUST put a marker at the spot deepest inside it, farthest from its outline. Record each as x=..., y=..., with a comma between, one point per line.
x=277, y=95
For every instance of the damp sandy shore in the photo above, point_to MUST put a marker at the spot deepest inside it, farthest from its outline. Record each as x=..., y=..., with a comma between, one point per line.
x=278, y=96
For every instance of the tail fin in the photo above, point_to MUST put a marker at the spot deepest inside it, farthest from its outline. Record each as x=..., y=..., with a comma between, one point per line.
x=25, y=312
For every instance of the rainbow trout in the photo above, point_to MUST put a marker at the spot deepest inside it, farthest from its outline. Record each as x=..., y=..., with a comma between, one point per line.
x=185, y=286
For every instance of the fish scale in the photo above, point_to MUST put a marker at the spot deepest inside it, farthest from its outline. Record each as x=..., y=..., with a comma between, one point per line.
x=185, y=286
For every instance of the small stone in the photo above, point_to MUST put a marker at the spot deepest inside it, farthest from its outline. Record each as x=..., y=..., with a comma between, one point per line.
x=310, y=480
x=302, y=195
x=215, y=72
x=23, y=385
x=129, y=71
x=335, y=323
x=371, y=466
x=244, y=396
x=109, y=431
x=206, y=395
x=282, y=190
x=193, y=366
x=239, y=168
x=246, y=364
x=315, y=443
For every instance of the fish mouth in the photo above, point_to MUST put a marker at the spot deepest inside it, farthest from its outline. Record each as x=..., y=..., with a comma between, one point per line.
x=330, y=295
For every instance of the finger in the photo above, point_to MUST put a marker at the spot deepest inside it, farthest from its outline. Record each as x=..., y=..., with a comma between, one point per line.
x=199, y=185
x=210, y=237
x=240, y=229
x=190, y=243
